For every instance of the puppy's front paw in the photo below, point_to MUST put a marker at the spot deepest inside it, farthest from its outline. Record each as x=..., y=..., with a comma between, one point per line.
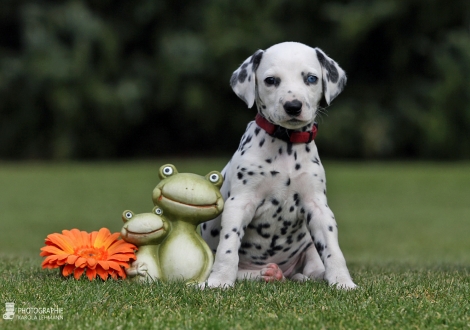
x=341, y=281
x=213, y=282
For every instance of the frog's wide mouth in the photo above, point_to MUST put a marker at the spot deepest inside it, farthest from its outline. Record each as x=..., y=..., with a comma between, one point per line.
x=133, y=233
x=197, y=206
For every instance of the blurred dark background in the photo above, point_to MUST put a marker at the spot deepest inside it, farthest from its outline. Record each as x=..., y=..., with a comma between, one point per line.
x=114, y=79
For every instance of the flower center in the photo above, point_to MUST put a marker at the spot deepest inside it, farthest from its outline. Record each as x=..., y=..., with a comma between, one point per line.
x=91, y=252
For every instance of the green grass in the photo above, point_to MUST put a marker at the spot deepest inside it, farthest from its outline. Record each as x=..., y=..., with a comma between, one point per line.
x=404, y=230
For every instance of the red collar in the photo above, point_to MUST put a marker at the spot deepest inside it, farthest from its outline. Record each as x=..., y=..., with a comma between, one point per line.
x=285, y=134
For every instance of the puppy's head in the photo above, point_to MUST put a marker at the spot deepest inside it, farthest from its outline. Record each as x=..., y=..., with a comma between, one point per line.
x=289, y=82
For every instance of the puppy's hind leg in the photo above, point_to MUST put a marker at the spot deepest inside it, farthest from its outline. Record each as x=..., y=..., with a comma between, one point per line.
x=313, y=269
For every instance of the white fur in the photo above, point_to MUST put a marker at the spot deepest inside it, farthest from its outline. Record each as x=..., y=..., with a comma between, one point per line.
x=275, y=192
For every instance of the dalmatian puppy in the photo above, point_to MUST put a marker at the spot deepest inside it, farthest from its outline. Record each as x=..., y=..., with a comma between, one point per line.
x=276, y=223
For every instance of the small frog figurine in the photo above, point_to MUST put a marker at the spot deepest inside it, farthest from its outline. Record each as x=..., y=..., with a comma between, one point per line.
x=187, y=200
x=146, y=231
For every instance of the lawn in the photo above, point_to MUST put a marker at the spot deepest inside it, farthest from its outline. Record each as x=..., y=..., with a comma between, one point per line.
x=404, y=229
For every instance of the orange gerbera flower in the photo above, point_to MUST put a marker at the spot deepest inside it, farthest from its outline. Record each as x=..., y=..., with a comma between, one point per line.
x=98, y=252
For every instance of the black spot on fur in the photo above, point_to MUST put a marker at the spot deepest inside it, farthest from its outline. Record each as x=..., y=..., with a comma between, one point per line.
x=296, y=199
x=241, y=251
x=332, y=73
x=309, y=218
x=307, y=148
x=259, y=263
x=240, y=175
x=257, y=130
x=227, y=236
x=246, y=245
x=300, y=236
x=215, y=232
x=280, y=151
x=269, y=160
x=273, y=173
x=328, y=256
x=245, y=142
x=261, y=143
x=288, y=182
x=297, y=166
x=256, y=59
x=320, y=247
x=330, y=228
x=289, y=148
x=316, y=161
x=228, y=251
x=292, y=208
x=204, y=226
x=275, y=201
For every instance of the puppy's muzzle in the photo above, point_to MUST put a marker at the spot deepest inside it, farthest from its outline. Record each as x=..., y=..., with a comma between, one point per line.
x=293, y=108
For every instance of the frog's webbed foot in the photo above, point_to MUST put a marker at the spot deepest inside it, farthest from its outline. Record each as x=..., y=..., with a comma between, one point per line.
x=137, y=269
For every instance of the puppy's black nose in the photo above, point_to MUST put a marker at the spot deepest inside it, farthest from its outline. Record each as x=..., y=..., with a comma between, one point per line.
x=293, y=108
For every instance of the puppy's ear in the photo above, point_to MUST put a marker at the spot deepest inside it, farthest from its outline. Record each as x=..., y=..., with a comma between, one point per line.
x=333, y=77
x=243, y=79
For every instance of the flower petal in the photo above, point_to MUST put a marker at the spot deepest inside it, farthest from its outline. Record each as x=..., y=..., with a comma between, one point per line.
x=92, y=238
x=91, y=262
x=85, y=238
x=53, y=250
x=67, y=270
x=110, y=240
x=71, y=259
x=91, y=273
x=119, y=245
x=103, y=264
x=81, y=262
x=103, y=234
x=62, y=241
x=49, y=262
x=114, y=265
x=78, y=272
x=120, y=257
x=102, y=273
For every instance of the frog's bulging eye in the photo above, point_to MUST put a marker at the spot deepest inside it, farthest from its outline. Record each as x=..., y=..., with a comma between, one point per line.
x=167, y=170
x=158, y=211
x=128, y=215
x=214, y=178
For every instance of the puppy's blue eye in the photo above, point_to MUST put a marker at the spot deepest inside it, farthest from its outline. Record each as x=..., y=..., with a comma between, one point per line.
x=270, y=81
x=312, y=79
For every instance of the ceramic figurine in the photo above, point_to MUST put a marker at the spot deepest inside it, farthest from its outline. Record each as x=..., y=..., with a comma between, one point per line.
x=170, y=247
x=187, y=200
x=146, y=231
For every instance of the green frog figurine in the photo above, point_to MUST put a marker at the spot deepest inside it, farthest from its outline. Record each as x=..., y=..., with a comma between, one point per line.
x=146, y=231
x=187, y=200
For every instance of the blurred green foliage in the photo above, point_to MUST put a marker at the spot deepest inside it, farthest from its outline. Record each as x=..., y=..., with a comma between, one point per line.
x=107, y=79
